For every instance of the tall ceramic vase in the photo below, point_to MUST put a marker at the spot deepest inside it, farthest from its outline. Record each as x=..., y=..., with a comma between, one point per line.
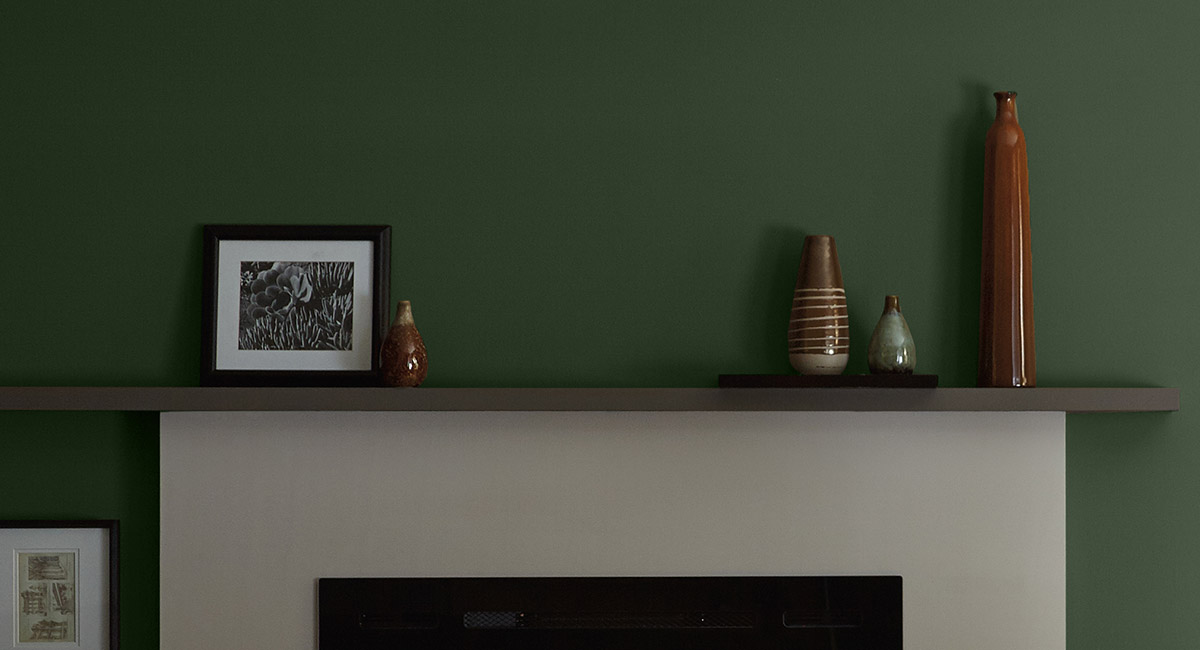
x=402, y=356
x=1006, y=352
x=819, y=329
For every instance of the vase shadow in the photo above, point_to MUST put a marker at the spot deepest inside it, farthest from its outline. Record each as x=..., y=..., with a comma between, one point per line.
x=958, y=251
x=768, y=301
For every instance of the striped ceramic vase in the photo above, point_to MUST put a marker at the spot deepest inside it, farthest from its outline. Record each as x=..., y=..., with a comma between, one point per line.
x=819, y=330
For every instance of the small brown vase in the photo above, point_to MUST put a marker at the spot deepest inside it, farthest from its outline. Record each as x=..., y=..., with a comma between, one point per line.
x=402, y=357
x=1006, y=353
x=819, y=329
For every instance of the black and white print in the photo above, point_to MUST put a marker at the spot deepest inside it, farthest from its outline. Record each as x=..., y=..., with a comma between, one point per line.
x=293, y=305
x=296, y=306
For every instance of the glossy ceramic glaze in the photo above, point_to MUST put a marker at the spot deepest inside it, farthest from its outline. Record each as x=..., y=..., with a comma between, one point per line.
x=891, y=349
x=402, y=357
x=819, y=328
x=1006, y=350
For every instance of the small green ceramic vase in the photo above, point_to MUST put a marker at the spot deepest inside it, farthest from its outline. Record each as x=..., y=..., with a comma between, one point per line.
x=892, y=349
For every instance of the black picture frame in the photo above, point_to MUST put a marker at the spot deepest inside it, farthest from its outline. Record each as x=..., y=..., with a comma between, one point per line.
x=43, y=532
x=229, y=250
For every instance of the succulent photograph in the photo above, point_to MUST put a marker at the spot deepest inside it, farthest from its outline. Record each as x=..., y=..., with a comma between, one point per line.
x=296, y=306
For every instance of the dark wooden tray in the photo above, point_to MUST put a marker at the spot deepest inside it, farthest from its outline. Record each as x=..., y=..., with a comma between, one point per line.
x=827, y=381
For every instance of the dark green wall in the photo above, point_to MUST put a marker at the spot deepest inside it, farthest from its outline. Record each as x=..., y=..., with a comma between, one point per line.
x=613, y=194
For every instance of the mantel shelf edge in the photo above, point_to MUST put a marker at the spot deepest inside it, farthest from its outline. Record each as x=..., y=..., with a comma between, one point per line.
x=174, y=398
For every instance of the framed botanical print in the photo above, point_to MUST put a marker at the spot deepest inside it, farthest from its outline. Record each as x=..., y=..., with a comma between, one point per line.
x=59, y=584
x=294, y=305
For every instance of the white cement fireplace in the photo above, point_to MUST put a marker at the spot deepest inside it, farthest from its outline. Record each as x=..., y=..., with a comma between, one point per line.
x=968, y=507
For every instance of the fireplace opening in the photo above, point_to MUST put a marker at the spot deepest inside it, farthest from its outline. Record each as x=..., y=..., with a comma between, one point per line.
x=639, y=613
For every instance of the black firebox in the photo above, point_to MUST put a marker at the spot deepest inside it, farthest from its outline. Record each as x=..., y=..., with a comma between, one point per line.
x=695, y=613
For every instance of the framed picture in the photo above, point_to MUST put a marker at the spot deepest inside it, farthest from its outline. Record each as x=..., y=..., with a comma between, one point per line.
x=294, y=305
x=59, y=584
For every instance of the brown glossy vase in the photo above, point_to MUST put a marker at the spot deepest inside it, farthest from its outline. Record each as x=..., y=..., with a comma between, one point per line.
x=1006, y=352
x=402, y=357
x=819, y=328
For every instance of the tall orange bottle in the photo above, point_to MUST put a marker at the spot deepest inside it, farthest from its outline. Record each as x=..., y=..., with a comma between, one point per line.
x=1006, y=352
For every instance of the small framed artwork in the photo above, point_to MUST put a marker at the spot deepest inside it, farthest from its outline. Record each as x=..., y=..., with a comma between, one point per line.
x=294, y=305
x=60, y=584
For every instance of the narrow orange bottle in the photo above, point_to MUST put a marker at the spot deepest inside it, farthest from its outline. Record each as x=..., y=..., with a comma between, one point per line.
x=1006, y=352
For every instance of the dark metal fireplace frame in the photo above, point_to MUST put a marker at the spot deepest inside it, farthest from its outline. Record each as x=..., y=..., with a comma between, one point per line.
x=642, y=613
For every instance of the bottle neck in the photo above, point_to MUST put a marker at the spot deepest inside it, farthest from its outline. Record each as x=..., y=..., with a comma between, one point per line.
x=403, y=313
x=1006, y=104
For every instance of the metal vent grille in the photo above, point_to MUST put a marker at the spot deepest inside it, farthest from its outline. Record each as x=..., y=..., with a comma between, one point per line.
x=609, y=620
x=491, y=620
x=823, y=618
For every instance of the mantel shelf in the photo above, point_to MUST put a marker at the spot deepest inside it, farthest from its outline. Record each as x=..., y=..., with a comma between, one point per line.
x=162, y=398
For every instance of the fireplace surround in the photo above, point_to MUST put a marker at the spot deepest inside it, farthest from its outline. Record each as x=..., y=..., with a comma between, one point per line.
x=968, y=507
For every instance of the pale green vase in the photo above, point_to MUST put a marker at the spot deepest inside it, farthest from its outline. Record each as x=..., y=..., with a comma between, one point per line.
x=892, y=349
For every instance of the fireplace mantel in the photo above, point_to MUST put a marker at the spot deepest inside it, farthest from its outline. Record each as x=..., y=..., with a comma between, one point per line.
x=960, y=490
x=170, y=399
x=265, y=490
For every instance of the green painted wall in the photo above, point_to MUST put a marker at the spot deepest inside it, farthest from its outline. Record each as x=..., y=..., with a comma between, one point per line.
x=613, y=194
